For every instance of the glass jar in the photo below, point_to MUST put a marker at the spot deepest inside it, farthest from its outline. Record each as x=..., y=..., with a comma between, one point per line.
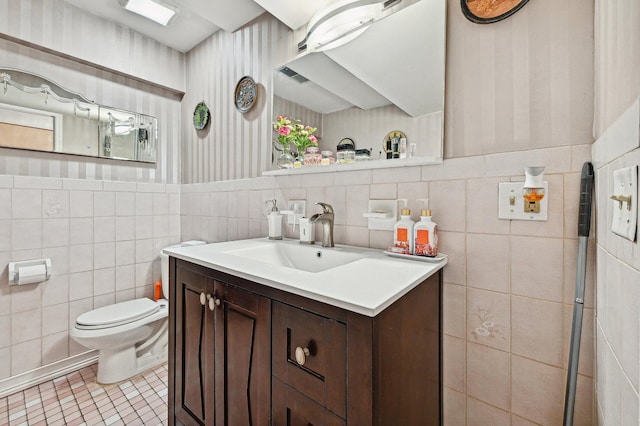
x=363, y=154
x=327, y=158
x=312, y=157
x=346, y=156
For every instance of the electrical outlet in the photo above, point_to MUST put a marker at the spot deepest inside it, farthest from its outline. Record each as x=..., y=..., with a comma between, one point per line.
x=532, y=206
x=512, y=206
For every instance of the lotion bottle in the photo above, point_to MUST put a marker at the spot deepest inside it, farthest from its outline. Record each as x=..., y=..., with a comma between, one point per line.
x=274, y=220
x=425, y=233
x=403, y=232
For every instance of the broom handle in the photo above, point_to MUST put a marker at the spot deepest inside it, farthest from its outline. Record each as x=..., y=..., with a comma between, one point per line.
x=584, y=225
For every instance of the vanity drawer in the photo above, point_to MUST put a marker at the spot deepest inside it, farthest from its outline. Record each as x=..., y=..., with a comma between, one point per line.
x=309, y=353
x=291, y=408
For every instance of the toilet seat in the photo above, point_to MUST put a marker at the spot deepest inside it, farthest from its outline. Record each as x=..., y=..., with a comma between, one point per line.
x=117, y=314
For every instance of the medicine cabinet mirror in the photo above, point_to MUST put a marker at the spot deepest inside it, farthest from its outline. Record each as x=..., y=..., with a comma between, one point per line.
x=37, y=114
x=389, y=78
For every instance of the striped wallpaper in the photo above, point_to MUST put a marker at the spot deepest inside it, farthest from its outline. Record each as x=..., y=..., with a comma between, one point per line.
x=70, y=31
x=617, y=60
x=233, y=145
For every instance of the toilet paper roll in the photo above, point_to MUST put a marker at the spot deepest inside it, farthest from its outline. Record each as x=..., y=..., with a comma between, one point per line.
x=32, y=274
x=29, y=271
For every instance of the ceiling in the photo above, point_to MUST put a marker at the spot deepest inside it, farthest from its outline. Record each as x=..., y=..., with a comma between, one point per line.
x=198, y=19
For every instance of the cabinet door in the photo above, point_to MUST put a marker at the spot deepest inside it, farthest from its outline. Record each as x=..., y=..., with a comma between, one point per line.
x=194, y=349
x=242, y=365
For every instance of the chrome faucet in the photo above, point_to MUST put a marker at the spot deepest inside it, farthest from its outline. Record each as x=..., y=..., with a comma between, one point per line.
x=326, y=218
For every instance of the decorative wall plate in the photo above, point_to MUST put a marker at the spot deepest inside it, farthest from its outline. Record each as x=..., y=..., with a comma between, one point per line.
x=201, y=116
x=489, y=11
x=245, y=94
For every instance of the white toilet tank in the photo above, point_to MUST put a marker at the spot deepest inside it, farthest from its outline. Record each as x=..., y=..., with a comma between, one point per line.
x=164, y=264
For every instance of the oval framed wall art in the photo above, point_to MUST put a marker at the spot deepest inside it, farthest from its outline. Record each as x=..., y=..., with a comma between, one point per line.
x=489, y=11
x=245, y=94
x=201, y=116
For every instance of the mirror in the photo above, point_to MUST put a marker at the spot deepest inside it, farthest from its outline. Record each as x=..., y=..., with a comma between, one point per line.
x=388, y=79
x=37, y=114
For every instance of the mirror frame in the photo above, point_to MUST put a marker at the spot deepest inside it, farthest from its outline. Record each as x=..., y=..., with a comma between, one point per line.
x=464, y=4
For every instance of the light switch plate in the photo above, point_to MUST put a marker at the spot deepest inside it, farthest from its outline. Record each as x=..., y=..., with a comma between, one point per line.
x=625, y=202
x=508, y=191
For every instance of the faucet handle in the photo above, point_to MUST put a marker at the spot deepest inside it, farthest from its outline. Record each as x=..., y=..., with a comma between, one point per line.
x=327, y=208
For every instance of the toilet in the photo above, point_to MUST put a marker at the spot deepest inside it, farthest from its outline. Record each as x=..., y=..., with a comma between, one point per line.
x=130, y=336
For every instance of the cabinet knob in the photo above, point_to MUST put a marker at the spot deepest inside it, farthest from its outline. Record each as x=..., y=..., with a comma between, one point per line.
x=203, y=299
x=213, y=302
x=301, y=355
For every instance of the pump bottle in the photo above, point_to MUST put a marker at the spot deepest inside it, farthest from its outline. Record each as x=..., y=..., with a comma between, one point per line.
x=425, y=233
x=403, y=232
x=274, y=220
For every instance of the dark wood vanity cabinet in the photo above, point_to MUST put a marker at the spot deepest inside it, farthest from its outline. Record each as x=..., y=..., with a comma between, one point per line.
x=219, y=356
x=264, y=356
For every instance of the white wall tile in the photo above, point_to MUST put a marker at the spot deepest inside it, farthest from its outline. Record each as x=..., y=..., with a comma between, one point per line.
x=104, y=229
x=125, y=204
x=36, y=182
x=80, y=285
x=55, y=203
x=80, y=231
x=25, y=326
x=26, y=234
x=537, y=268
x=104, y=281
x=80, y=258
x=26, y=203
x=104, y=203
x=55, y=318
x=55, y=232
x=80, y=204
x=125, y=228
x=125, y=277
x=5, y=204
x=104, y=255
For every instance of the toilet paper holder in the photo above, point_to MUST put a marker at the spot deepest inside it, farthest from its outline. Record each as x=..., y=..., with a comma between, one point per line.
x=29, y=271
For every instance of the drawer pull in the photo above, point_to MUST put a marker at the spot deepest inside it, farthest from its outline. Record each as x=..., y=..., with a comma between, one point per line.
x=301, y=355
x=203, y=299
x=213, y=302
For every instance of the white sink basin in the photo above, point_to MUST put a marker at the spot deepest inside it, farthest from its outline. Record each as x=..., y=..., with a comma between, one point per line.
x=306, y=258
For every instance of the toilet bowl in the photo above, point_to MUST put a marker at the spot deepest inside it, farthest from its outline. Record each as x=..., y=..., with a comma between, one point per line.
x=130, y=336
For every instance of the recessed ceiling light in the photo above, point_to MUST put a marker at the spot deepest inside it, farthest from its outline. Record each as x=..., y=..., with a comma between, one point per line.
x=150, y=9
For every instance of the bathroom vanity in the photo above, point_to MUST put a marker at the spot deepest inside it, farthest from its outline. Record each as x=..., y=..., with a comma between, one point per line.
x=252, y=343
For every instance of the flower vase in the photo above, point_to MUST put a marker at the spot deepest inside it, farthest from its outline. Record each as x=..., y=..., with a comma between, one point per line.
x=285, y=160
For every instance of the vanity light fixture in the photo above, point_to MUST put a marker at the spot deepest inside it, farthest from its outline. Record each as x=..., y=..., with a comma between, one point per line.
x=151, y=9
x=341, y=22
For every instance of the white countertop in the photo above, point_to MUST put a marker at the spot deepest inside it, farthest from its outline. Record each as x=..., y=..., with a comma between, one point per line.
x=366, y=286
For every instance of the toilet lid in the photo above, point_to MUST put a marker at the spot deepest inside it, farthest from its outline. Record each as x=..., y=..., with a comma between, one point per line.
x=118, y=314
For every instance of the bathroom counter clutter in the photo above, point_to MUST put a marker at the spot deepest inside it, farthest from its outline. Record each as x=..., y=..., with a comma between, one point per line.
x=357, y=279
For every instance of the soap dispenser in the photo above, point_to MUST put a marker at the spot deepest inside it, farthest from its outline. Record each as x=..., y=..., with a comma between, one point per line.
x=274, y=220
x=425, y=233
x=403, y=231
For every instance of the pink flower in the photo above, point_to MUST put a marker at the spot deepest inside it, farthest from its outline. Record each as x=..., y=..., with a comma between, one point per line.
x=313, y=139
x=285, y=131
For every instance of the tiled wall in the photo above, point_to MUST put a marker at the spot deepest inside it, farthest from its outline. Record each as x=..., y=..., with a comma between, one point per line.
x=618, y=281
x=508, y=288
x=104, y=240
x=617, y=128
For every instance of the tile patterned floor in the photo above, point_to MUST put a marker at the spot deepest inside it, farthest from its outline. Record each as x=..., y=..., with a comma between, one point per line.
x=76, y=399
